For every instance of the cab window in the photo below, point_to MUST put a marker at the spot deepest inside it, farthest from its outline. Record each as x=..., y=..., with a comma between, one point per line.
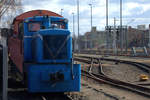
x=59, y=25
x=33, y=27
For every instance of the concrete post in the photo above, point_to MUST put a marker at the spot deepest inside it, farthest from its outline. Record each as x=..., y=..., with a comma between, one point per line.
x=5, y=70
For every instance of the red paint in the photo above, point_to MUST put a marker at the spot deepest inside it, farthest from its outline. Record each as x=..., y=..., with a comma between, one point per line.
x=15, y=53
x=32, y=13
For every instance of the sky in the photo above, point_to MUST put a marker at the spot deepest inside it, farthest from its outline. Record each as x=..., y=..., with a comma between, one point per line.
x=135, y=12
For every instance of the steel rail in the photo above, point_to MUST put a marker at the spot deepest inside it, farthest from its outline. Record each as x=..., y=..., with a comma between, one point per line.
x=54, y=96
x=110, y=53
x=105, y=79
x=142, y=66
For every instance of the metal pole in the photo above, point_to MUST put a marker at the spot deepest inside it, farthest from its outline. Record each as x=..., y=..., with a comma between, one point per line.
x=91, y=16
x=126, y=35
x=73, y=33
x=73, y=24
x=78, y=24
x=61, y=11
x=114, y=37
x=5, y=70
x=86, y=42
x=121, y=35
x=106, y=12
x=149, y=36
x=107, y=34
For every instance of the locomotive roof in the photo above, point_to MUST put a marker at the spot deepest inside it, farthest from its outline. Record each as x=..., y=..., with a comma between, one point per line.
x=35, y=13
x=32, y=13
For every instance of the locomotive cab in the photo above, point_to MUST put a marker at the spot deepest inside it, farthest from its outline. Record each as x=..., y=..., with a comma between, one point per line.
x=49, y=40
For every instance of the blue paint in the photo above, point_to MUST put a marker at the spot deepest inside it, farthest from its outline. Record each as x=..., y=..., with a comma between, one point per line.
x=49, y=70
x=39, y=78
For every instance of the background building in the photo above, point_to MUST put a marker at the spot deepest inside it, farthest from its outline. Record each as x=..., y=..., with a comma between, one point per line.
x=132, y=37
x=92, y=40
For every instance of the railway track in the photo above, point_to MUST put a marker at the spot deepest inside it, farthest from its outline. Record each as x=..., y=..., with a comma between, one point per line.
x=102, y=78
x=55, y=96
x=24, y=95
x=142, y=66
x=111, y=53
x=17, y=91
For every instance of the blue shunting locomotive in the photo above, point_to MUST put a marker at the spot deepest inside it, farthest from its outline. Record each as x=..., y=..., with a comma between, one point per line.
x=47, y=55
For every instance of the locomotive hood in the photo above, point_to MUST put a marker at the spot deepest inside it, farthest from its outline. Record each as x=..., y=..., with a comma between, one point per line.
x=53, y=32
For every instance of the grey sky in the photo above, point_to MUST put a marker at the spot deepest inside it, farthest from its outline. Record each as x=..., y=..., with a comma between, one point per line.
x=132, y=9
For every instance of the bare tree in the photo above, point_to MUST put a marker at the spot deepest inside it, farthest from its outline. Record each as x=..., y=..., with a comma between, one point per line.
x=8, y=10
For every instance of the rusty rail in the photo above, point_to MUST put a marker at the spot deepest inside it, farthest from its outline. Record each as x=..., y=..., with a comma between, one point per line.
x=102, y=78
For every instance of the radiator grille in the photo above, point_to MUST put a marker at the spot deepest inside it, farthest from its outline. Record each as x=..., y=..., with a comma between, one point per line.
x=55, y=47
